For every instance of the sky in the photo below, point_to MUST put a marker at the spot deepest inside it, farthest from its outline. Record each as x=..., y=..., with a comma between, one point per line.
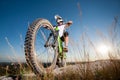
x=87, y=16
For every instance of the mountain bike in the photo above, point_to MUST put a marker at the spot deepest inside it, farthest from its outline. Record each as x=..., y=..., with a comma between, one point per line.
x=43, y=47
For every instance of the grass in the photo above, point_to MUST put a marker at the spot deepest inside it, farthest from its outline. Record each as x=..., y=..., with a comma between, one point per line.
x=95, y=70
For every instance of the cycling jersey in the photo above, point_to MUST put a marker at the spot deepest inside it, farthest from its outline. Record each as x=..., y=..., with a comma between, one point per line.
x=61, y=29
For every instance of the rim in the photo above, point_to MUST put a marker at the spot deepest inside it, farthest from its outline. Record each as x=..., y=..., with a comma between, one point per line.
x=44, y=56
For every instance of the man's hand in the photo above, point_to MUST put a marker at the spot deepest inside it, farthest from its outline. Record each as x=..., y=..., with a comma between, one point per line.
x=68, y=23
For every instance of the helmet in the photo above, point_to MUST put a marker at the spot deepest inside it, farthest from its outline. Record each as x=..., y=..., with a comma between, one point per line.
x=58, y=18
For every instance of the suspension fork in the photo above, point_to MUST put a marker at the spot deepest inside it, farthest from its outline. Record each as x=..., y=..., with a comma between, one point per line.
x=55, y=34
x=46, y=44
x=55, y=37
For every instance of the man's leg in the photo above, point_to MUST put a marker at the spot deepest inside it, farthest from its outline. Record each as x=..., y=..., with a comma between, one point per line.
x=66, y=41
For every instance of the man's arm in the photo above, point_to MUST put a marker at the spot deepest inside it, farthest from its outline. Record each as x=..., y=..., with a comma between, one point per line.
x=68, y=24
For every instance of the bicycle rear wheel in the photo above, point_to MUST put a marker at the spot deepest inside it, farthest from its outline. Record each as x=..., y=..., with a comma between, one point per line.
x=39, y=58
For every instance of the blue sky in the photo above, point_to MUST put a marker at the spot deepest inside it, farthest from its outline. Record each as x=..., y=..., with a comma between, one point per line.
x=89, y=16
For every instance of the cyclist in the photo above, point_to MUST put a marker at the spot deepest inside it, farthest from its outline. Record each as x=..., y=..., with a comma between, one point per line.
x=62, y=31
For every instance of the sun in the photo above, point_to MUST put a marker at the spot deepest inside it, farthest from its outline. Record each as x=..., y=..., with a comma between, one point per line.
x=103, y=49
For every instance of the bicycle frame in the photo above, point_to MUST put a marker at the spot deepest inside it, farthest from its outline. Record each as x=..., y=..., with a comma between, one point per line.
x=56, y=40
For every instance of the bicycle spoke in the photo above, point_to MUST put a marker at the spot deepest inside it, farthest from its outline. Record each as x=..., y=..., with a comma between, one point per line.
x=43, y=35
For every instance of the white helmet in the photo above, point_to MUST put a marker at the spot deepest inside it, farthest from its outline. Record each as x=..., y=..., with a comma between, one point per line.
x=58, y=18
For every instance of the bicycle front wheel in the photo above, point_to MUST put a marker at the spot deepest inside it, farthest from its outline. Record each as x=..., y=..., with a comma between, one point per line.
x=39, y=58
